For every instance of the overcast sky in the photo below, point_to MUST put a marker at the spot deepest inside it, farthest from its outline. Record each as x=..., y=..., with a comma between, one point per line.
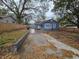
x=50, y=14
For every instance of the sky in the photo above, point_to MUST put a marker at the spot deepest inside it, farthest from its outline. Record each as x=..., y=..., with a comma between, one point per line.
x=50, y=14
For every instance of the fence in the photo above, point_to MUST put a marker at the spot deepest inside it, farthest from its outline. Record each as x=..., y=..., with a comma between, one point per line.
x=76, y=30
x=4, y=27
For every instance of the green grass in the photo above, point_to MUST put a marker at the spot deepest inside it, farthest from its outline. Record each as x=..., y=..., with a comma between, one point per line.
x=10, y=37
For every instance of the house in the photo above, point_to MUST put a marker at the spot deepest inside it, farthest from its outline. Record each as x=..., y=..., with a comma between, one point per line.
x=1, y=3
x=6, y=19
x=47, y=25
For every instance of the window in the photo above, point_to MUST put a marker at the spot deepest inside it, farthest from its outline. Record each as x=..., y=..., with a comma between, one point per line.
x=48, y=26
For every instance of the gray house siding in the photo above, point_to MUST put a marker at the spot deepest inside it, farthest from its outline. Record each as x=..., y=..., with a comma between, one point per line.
x=1, y=3
x=6, y=20
x=47, y=25
x=50, y=26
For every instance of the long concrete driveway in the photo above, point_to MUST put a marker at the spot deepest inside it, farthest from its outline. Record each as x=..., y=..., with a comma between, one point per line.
x=43, y=46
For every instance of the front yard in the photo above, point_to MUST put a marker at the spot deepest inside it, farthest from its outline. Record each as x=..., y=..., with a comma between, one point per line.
x=69, y=38
x=8, y=38
x=10, y=33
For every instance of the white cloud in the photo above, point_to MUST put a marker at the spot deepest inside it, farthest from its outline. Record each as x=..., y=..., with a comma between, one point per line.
x=51, y=5
x=49, y=15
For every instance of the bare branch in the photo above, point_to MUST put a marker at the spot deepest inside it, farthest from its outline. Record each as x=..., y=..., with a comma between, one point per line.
x=23, y=6
x=32, y=8
x=8, y=6
x=13, y=18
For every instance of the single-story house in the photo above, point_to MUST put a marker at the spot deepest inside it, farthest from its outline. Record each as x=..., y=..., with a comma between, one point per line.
x=47, y=25
x=1, y=3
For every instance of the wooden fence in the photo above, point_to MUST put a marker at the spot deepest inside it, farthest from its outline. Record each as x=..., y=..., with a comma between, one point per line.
x=75, y=30
x=4, y=27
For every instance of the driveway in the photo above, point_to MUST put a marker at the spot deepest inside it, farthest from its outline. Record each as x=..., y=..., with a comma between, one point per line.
x=43, y=46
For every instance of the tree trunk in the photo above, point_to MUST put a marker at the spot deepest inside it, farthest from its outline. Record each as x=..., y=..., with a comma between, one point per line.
x=19, y=20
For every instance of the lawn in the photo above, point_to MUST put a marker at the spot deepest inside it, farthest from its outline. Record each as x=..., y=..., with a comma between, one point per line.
x=10, y=33
x=69, y=38
x=8, y=38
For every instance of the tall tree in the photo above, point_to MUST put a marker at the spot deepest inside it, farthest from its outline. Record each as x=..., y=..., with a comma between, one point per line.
x=18, y=8
x=40, y=7
x=70, y=9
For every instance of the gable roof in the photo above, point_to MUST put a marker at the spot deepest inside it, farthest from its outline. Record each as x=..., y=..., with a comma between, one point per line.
x=46, y=21
x=50, y=20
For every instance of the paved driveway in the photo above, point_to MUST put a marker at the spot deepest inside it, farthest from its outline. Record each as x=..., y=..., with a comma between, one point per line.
x=43, y=46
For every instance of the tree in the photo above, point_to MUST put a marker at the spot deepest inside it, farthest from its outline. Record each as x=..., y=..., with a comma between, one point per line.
x=40, y=7
x=20, y=7
x=17, y=8
x=70, y=9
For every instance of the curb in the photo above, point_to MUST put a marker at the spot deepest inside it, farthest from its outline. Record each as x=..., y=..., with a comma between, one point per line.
x=17, y=45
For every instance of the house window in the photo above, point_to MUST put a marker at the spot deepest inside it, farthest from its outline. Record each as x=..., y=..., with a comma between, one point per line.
x=48, y=26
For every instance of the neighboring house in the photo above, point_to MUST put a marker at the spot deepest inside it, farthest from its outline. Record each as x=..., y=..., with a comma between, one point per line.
x=6, y=19
x=47, y=25
x=1, y=3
